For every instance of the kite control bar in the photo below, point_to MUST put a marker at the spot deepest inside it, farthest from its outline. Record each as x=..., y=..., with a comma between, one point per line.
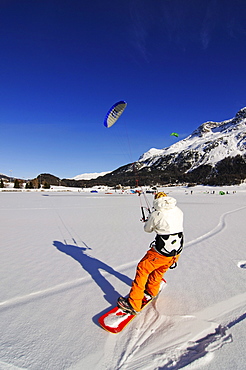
x=144, y=218
x=147, y=207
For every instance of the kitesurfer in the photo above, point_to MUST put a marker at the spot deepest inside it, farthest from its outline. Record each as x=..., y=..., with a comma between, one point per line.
x=167, y=221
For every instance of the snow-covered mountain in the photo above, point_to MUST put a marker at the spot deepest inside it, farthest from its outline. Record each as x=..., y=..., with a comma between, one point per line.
x=214, y=154
x=90, y=176
x=4, y=177
x=208, y=144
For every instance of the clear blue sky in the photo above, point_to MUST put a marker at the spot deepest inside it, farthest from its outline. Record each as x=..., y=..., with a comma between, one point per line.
x=63, y=63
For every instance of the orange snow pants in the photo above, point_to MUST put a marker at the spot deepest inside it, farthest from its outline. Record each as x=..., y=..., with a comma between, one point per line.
x=150, y=271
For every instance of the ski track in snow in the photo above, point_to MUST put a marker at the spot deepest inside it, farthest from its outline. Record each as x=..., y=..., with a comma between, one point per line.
x=55, y=289
x=6, y=366
x=221, y=225
x=167, y=342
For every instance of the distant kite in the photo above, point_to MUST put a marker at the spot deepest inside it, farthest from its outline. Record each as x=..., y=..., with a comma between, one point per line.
x=114, y=113
x=174, y=134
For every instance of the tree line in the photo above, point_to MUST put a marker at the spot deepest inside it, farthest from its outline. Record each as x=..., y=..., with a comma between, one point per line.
x=20, y=184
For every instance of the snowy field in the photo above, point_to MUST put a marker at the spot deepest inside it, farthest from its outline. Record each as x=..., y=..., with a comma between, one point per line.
x=67, y=256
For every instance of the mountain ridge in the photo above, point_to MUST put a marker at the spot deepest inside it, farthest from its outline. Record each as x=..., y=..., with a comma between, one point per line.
x=210, y=142
x=214, y=154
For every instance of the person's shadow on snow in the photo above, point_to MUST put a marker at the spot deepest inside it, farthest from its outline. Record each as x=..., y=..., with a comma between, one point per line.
x=93, y=267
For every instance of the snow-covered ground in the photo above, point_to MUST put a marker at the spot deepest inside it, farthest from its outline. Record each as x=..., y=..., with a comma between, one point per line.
x=66, y=257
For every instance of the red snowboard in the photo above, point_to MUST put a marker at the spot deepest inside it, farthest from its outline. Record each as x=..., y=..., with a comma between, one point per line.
x=116, y=319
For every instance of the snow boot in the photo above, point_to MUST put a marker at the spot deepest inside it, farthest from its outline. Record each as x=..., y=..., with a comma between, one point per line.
x=125, y=306
x=148, y=296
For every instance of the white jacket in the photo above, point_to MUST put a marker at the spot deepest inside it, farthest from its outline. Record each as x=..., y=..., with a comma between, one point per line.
x=167, y=217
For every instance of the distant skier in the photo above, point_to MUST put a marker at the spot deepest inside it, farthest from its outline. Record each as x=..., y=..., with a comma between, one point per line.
x=167, y=221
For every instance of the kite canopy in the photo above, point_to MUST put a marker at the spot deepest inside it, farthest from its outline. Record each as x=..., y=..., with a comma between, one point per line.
x=174, y=134
x=114, y=113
